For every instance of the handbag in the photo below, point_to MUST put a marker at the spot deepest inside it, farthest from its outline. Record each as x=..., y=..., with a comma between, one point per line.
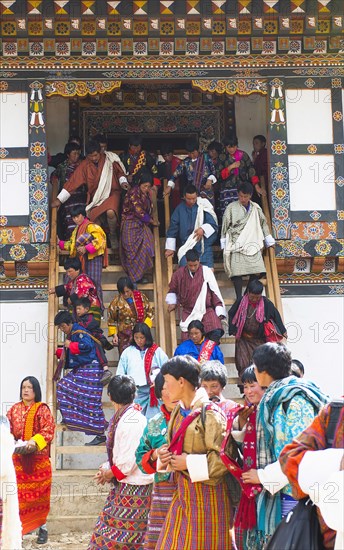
x=299, y=530
x=271, y=332
x=84, y=239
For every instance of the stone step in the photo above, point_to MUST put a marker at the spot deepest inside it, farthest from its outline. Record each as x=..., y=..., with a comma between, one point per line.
x=81, y=449
x=76, y=501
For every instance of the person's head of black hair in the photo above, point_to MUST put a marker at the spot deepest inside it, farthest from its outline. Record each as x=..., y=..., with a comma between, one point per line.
x=274, y=359
x=191, y=145
x=192, y=255
x=135, y=140
x=71, y=146
x=166, y=148
x=190, y=189
x=246, y=188
x=255, y=287
x=214, y=370
x=146, y=331
x=261, y=138
x=77, y=210
x=215, y=146
x=297, y=368
x=35, y=386
x=146, y=177
x=196, y=324
x=230, y=141
x=124, y=282
x=100, y=138
x=248, y=376
x=183, y=366
x=74, y=138
x=93, y=147
x=84, y=302
x=63, y=317
x=73, y=263
x=158, y=385
x=122, y=389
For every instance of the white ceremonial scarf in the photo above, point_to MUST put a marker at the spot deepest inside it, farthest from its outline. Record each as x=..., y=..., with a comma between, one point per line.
x=199, y=308
x=203, y=206
x=104, y=186
x=249, y=242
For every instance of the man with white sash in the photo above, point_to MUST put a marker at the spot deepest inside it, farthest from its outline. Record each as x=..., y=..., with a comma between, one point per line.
x=195, y=288
x=244, y=233
x=105, y=175
x=194, y=224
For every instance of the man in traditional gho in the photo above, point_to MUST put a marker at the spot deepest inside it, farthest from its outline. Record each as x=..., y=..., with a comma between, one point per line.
x=194, y=224
x=88, y=243
x=79, y=393
x=198, y=170
x=195, y=288
x=200, y=514
x=104, y=175
x=314, y=464
x=33, y=427
x=63, y=172
x=136, y=160
x=244, y=233
x=166, y=169
x=236, y=167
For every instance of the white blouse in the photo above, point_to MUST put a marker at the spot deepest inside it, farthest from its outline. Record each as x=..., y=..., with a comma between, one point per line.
x=127, y=438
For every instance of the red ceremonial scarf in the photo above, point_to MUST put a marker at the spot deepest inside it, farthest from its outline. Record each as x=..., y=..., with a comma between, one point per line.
x=176, y=445
x=137, y=296
x=153, y=402
x=246, y=516
x=239, y=318
x=206, y=351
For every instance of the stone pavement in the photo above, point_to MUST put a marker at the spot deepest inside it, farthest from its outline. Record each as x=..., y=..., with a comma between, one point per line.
x=64, y=541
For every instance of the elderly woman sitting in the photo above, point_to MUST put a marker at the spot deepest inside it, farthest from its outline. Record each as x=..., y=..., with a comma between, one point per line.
x=198, y=346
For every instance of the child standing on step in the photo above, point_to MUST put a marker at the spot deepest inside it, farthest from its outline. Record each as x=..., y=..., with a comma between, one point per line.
x=88, y=242
x=87, y=321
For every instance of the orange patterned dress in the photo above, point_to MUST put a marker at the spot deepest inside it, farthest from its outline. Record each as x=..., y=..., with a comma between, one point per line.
x=33, y=470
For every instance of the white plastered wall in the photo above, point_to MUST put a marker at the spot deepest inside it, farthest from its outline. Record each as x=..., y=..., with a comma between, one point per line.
x=23, y=348
x=251, y=119
x=315, y=337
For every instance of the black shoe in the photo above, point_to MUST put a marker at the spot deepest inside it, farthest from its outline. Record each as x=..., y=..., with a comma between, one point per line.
x=105, y=379
x=143, y=281
x=98, y=440
x=42, y=536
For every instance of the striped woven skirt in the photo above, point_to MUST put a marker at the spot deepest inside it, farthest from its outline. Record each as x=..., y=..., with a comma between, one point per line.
x=123, y=522
x=79, y=396
x=136, y=249
x=163, y=492
x=34, y=487
x=198, y=518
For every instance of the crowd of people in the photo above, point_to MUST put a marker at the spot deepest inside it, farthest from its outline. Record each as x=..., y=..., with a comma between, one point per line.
x=187, y=468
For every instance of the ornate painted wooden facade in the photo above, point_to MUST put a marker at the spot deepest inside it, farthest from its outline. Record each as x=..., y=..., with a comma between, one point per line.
x=292, y=51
